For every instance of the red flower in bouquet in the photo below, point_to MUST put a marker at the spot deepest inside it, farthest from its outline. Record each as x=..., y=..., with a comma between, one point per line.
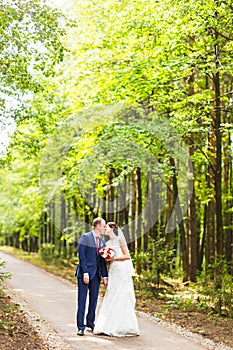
x=107, y=252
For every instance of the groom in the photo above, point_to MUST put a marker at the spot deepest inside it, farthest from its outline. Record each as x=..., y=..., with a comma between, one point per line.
x=89, y=272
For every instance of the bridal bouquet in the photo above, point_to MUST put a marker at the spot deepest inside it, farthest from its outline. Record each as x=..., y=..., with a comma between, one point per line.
x=107, y=252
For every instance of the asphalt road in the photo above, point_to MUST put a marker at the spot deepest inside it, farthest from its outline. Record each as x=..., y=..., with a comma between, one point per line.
x=54, y=300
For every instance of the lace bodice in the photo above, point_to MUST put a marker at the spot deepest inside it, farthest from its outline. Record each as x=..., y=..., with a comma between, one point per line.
x=115, y=244
x=125, y=267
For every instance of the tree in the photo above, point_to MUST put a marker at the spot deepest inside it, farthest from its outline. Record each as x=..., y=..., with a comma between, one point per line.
x=31, y=34
x=31, y=45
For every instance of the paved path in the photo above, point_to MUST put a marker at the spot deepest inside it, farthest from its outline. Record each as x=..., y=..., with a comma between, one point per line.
x=55, y=301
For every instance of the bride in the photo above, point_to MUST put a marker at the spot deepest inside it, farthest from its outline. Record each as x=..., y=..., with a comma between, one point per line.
x=117, y=314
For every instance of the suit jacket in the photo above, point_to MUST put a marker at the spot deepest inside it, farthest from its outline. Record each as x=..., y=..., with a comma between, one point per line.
x=89, y=261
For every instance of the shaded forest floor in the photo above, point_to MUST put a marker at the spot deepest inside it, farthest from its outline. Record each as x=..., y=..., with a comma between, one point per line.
x=210, y=326
x=17, y=333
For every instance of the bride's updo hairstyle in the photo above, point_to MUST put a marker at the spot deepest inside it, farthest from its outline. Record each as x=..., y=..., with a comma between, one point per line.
x=114, y=226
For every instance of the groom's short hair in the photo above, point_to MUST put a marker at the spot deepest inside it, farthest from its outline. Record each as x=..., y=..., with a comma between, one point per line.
x=97, y=221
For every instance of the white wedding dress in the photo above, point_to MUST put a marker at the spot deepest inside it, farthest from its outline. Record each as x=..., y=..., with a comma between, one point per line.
x=117, y=313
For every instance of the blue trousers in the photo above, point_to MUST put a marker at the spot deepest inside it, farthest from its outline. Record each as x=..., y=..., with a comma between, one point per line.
x=93, y=287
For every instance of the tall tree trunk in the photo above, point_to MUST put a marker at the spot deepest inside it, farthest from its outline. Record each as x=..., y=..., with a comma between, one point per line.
x=49, y=222
x=63, y=224
x=121, y=207
x=41, y=226
x=110, y=213
x=218, y=169
x=54, y=221
x=203, y=242
x=156, y=200
x=201, y=213
x=139, y=210
x=133, y=236
x=228, y=217
x=45, y=224
x=16, y=240
x=211, y=207
x=169, y=211
x=218, y=163
x=177, y=208
x=153, y=197
x=103, y=207
x=192, y=220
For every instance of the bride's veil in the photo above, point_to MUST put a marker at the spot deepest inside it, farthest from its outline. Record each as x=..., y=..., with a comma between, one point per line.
x=121, y=236
x=123, y=241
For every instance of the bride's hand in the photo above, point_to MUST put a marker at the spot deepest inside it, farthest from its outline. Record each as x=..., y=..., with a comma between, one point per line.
x=113, y=259
x=109, y=259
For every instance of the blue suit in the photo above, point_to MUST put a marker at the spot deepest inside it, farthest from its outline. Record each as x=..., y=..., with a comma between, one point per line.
x=92, y=263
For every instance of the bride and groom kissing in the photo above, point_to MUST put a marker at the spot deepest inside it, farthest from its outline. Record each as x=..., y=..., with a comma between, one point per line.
x=117, y=313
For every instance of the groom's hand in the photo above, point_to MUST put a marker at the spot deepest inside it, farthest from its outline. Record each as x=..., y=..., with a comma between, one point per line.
x=105, y=282
x=86, y=278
